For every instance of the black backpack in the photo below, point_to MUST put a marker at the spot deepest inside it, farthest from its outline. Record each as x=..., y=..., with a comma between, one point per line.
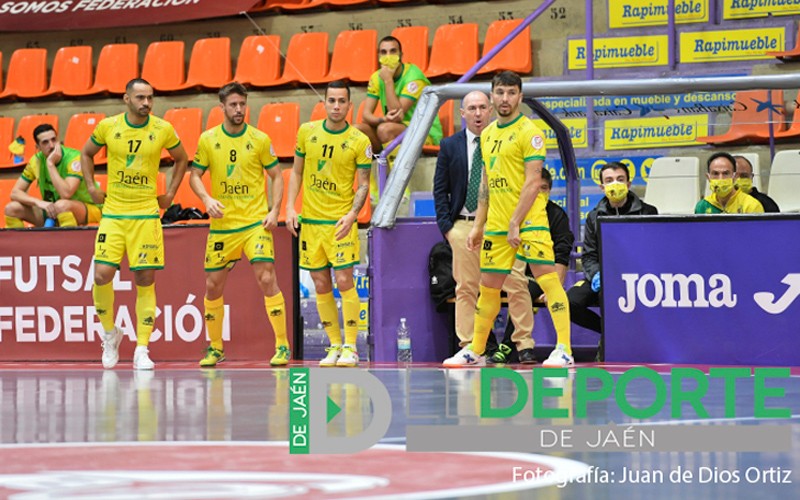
x=440, y=270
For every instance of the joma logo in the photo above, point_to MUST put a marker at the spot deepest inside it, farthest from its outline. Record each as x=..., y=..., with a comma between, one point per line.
x=676, y=290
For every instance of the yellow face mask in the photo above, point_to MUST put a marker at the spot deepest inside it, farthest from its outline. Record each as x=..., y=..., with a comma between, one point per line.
x=744, y=184
x=616, y=191
x=721, y=187
x=390, y=60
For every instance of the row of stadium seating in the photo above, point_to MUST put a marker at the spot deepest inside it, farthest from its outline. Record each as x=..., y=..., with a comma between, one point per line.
x=751, y=119
x=279, y=120
x=455, y=50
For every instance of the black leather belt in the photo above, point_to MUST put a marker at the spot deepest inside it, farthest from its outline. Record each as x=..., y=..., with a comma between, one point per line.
x=465, y=217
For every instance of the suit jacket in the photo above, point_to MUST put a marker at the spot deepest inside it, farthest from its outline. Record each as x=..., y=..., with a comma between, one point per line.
x=450, y=180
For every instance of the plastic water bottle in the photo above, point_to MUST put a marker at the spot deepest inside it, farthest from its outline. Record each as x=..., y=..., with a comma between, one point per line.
x=403, y=343
x=48, y=222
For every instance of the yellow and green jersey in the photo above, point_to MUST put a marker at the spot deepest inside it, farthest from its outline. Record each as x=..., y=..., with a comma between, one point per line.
x=69, y=166
x=409, y=84
x=134, y=155
x=506, y=149
x=236, y=164
x=739, y=203
x=331, y=159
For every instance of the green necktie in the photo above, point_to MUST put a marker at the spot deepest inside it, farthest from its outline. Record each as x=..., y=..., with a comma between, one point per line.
x=474, y=178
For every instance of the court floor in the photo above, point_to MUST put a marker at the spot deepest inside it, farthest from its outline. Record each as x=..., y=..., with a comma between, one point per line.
x=78, y=431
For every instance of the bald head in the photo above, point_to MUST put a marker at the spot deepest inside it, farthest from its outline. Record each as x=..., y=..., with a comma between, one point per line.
x=476, y=111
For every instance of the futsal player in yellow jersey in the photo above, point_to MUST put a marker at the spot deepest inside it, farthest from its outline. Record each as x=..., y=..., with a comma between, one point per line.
x=512, y=209
x=130, y=222
x=236, y=155
x=330, y=154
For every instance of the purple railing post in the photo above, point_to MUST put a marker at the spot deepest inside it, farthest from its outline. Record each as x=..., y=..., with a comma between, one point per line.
x=671, y=32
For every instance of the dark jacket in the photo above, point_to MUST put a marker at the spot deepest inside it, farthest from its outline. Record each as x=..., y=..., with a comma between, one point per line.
x=450, y=180
x=766, y=202
x=563, y=239
x=590, y=257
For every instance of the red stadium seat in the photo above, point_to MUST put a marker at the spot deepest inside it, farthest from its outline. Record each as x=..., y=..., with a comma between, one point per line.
x=188, y=124
x=750, y=122
x=354, y=56
x=454, y=50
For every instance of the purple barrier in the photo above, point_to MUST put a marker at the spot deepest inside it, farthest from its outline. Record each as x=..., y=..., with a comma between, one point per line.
x=399, y=288
x=701, y=289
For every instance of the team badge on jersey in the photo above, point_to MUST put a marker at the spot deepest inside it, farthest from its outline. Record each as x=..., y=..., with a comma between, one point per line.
x=537, y=141
x=412, y=87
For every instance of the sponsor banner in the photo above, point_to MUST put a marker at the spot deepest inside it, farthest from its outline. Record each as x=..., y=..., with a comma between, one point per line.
x=620, y=52
x=56, y=15
x=47, y=310
x=577, y=132
x=657, y=132
x=589, y=174
x=643, y=105
x=638, y=13
x=742, y=9
x=677, y=290
x=730, y=45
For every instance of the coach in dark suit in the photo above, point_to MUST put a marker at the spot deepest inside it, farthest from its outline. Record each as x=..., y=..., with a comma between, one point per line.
x=456, y=182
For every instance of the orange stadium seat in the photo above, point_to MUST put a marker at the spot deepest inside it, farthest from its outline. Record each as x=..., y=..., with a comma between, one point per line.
x=298, y=202
x=354, y=56
x=6, y=136
x=280, y=121
x=79, y=128
x=789, y=55
x=188, y=124
x=516, y=56
x=25, y=129
x=117, y=65
x=259, y=62
x=215, y=117
x=186, y=198
x=447, y=119
x=102, y=180
x=72, y=70
x=210, y=64
x=27, y=74
x=360, y=114
x=751, y=124
x=164, y=66
x=793, y=132
x=306, y=59
x=454, y=50
x=318, y=113
x=414, y=40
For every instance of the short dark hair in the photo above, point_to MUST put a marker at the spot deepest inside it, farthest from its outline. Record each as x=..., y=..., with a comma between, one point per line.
x=338, y=84
x=44, y=127
x=547, y=177
x=740, y=157
x=136, y=81
x=615, y=165
x=232, y=88
x=390, y=38
x=507, y=79
x=720, y=154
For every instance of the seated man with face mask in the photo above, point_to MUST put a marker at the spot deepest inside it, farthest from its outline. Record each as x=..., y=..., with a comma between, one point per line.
x=744, y=182
x=724, y=199
x=618, y=200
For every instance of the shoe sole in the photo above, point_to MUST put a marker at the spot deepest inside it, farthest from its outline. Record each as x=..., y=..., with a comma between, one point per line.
x=220, y=360
x=282, y=362
x=568, y=365
x=475, y=365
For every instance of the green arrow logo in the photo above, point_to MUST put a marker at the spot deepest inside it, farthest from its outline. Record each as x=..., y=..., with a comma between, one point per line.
x=333, y=409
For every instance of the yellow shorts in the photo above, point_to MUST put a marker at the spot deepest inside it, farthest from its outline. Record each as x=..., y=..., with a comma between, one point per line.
x=141, y=239
x=224, y=248
x=319, y=248
x=497, y=256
